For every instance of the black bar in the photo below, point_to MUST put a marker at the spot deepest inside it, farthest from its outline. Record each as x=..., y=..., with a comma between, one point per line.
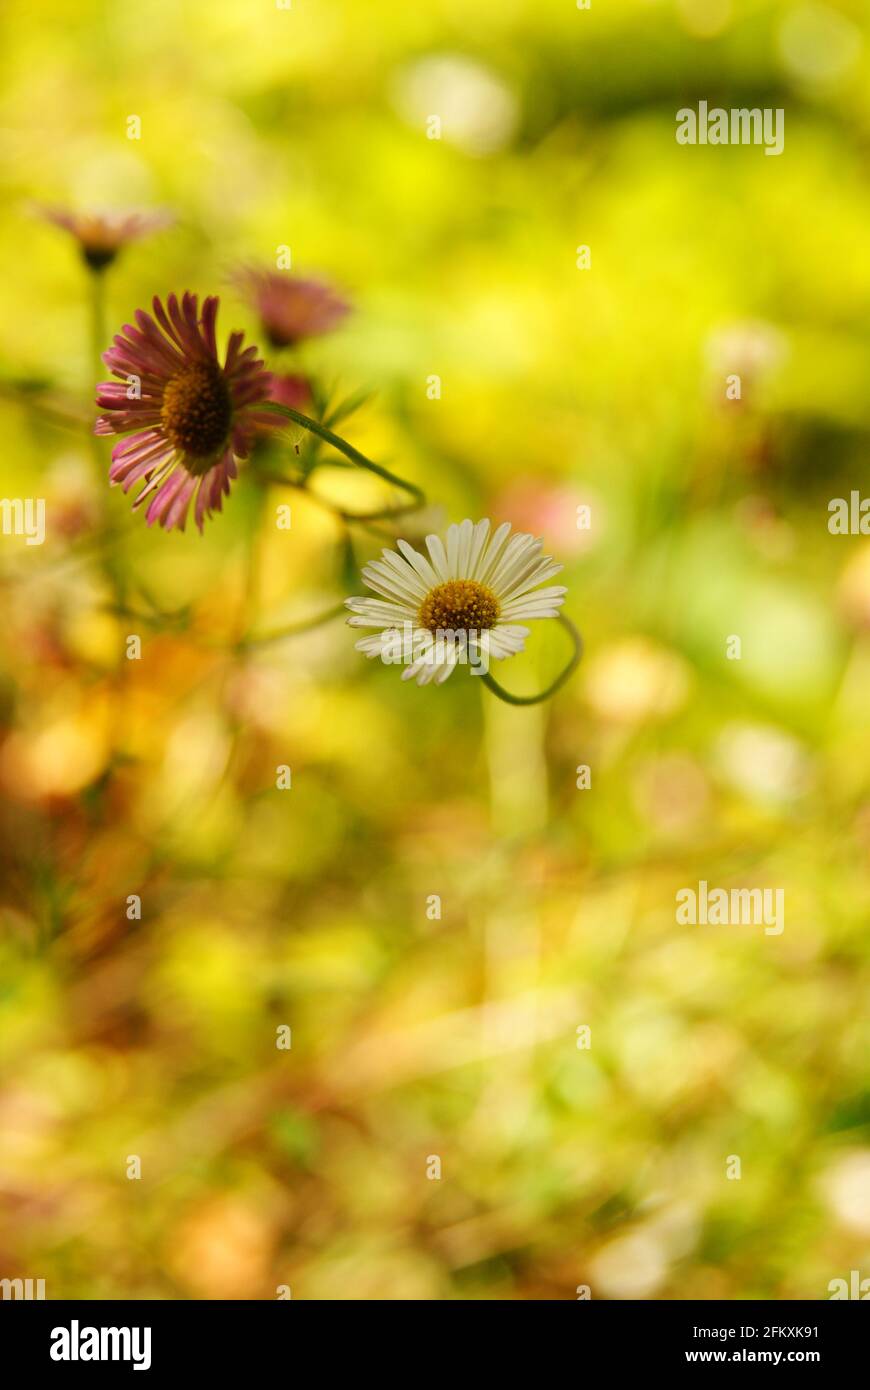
x=226, y=1338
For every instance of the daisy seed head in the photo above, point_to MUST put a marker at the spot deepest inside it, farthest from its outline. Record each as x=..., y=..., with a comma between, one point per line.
x=197, y=412
x=459, y=605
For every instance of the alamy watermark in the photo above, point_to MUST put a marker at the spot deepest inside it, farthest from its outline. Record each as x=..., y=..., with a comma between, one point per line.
x=721, y=907
x=22, y=1288
x=76, y=1343
x=741, y=125
x=413, y=644
x=849, y=516
x=23, y=516
x=856, y=1287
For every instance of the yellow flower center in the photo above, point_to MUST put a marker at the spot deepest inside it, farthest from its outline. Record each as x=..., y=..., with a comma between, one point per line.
x=197, y=413
x=457, y=605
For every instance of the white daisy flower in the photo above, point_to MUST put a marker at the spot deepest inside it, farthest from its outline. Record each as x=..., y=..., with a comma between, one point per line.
x=463, y=604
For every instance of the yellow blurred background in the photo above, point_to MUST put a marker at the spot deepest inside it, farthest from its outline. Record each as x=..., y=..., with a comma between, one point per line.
x=416, y=1036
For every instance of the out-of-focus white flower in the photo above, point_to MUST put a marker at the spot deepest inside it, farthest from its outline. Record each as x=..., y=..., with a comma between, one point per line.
x=845, y=1188
x=631, y=1266
x=761, y=761
x=637, y=679
x=749, y=348
x=477, y=111
x=818, y=43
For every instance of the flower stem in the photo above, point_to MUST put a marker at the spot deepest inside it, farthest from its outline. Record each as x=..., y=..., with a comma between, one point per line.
x=492, y=684
x=293, y=629
x=419, y=498
x=97, y=282
x=111, y=563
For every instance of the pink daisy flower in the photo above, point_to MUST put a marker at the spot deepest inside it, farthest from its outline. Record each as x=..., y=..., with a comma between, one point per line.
x=291, y=308
x=192, y=417
x=101, y=235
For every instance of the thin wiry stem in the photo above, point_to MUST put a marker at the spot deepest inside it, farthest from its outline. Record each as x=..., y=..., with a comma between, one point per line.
x=97, y=281
x=30, y=397
x=301, y=485
x=111, y=564
x=419, y=497
x=293, y=629
x=492, y=684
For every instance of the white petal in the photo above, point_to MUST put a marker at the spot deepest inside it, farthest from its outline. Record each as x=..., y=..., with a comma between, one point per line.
x=393, y=585
x=531, y=607
x=372, y=646
x=466, y=536
x=524, y=565
x=541, y=571
x=378, y=606
x=419, y=563
x=481, y=531
x=503, y=643
x=552, y=591
x=453, y=551
x=403, y=572
x=413, y=670
x=439, y=557
x=505, y=560
x=371, y=622
x=428, y=672
x=445, y=671
x=533, y=600
x=489, y=560
x=381, y=583
x=519, y=557
x=383, y=616
x=391, y=593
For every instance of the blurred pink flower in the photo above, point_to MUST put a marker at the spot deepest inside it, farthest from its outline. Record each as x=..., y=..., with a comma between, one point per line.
x=291, y=308
x=193, y=417
x=295, y=390
x=562, y=514
x=101, y=235
x=291, y=389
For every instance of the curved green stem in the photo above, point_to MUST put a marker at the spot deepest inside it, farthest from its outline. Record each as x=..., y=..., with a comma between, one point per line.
x=492, y=684
x=419, y=497
x=306, y=625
